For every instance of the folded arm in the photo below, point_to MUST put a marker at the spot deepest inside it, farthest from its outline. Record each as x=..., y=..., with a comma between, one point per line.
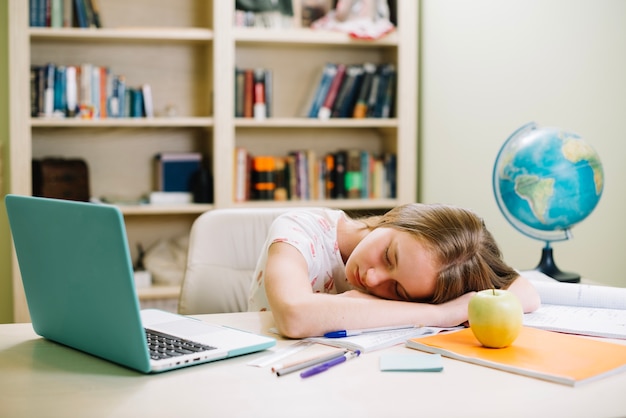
x=299, y=312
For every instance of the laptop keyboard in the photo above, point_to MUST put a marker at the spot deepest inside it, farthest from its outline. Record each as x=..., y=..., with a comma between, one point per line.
x=163, y=345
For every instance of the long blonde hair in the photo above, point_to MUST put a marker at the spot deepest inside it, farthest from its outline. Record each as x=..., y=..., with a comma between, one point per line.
x=468, y=257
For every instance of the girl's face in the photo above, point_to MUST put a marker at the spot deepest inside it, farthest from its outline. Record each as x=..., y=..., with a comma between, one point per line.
x=394, y=265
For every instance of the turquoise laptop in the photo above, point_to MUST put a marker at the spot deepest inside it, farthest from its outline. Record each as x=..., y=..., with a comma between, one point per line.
x=78, y=280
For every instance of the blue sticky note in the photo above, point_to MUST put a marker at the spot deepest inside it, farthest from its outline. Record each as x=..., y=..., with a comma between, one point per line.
x=417, y=362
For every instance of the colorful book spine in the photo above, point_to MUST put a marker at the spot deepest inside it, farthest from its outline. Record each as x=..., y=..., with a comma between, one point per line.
x=328, y=74
x=259, y=109
x=263, y=177
x=360, y=107
x=326, y=109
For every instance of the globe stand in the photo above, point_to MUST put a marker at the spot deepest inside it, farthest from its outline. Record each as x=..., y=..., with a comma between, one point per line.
x=548, y=267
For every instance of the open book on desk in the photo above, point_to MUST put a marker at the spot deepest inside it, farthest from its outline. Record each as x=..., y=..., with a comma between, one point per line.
x=378, y=340
x=584, y=309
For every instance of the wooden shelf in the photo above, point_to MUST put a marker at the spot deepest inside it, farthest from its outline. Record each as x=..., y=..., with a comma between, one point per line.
x=141, y=210
x=121, y=34
x=181, y=122
x=305, y=36
x=366, y=123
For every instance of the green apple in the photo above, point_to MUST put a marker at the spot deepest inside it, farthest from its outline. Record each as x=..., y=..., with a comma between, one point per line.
x=495, y=317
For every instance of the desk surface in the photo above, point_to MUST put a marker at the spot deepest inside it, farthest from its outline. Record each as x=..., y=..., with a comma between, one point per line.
x=39, y=378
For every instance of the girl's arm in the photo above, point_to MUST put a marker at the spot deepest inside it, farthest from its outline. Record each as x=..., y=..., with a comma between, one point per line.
x=300, y=313
x=526, y=293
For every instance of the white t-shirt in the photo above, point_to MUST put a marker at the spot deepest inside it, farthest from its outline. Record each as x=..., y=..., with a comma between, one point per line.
x=313, y=232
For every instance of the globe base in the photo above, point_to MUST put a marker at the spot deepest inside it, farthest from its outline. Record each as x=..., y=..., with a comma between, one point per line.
x=548, y=267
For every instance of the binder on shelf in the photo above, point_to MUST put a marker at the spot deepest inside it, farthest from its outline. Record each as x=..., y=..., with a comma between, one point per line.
x=175, y=171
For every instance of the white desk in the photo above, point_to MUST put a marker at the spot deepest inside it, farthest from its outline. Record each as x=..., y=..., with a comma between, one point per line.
x=39, y=378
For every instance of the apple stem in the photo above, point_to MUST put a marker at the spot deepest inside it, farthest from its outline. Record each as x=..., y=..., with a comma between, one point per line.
x=493, y=289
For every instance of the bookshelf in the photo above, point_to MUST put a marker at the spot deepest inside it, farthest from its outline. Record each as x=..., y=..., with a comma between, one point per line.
x=187, y=51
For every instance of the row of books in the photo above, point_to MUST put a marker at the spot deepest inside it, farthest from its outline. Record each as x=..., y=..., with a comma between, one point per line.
x=86, y=91
x=64, y=13
x=354, y=91
x=305, y=175
x=253, y=93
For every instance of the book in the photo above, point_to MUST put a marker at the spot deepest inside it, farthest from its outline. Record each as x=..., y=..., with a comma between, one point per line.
x=378, y=340
x=174, y=171
x=360, y=107
x=239, y=92
x=328, y=74
x=263, y=177
x=327, y=106
x=582, y=309
x=259, y=109
x=353, y=176
x=344, y=104
x=551, y=356
x=248, y=93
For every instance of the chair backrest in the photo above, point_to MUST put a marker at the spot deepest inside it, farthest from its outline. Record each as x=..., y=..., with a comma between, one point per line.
x=224, y=245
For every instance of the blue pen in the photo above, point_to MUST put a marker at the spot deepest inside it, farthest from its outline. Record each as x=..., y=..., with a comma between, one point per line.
x=350, y=333
x=325, y=366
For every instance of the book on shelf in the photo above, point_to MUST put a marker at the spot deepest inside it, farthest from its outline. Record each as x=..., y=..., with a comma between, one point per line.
x=239, y=92
x=574, y=308
x=360, y=107
x=175, y=171
x=321, y=90
x=263, y=177
x=346, y=98
x=253, y=93
x=242, y=170
x=87, y=91
x=327, y=105
x=354, y=91
x=384, y=92
x=305, y=174
x=259, y=109
x=373, y=341
x=552, y=356
x=64, y=13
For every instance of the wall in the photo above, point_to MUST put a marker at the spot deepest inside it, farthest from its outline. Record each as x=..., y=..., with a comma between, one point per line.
x=6, y=293
x=489, y=67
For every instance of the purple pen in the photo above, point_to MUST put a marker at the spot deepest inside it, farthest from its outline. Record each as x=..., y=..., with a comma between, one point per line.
x=325, y=366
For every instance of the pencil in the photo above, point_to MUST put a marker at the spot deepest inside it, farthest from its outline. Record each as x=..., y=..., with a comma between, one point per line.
x=284, y=369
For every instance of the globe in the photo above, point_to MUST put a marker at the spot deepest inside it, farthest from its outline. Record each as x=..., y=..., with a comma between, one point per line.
x=545, y=181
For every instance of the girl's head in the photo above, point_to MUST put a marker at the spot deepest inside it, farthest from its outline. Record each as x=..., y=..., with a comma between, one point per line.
x=464, y=251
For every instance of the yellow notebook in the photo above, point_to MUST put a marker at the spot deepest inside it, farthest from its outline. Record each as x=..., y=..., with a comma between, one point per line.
x=561, y=358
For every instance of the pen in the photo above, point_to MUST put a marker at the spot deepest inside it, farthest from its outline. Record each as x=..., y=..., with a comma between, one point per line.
x=294, y=367
x=350, y=333
x=325, y=366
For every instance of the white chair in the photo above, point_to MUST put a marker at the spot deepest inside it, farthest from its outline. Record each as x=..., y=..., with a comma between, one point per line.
x=224, y=245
